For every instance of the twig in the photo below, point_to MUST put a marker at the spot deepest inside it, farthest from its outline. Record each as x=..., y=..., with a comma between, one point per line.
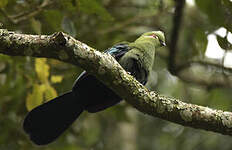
x=6, y=16
x=26, y=15
x=177, y=19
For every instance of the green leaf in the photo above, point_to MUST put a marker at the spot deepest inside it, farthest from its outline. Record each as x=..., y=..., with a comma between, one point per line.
x=3, y=3
x=93, y=7
x=223, y=43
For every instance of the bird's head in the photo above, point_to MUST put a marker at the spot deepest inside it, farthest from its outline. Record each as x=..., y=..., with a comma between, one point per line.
x=156, y=37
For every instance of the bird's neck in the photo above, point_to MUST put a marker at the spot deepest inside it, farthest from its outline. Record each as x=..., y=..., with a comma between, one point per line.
x=146, y=50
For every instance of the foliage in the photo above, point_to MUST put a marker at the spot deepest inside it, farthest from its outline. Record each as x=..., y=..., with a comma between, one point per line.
x=27, y=82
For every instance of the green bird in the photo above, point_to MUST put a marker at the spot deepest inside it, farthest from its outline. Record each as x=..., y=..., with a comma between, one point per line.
x=48, y=121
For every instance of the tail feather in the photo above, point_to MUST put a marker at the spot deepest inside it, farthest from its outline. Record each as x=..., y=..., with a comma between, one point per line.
x=48, y=121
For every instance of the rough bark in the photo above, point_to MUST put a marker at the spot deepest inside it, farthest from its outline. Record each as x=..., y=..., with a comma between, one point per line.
x=65, y=48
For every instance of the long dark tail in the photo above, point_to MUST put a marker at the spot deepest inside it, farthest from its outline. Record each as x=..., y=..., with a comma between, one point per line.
x=48, y=121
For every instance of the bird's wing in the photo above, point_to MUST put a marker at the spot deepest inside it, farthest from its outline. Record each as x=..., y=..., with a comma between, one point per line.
x=118, y=50
x=131, y=63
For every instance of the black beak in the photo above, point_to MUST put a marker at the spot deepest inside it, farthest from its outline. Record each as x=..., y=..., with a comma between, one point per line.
x=163, y=43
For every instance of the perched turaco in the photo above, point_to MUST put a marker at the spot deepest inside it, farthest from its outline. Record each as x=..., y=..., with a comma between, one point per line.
x=48, y=121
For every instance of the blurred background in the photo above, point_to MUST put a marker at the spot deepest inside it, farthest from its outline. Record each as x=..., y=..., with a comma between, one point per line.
x=195, y=67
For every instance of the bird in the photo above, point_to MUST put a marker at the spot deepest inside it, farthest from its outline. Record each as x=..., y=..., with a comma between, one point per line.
x=45, y=123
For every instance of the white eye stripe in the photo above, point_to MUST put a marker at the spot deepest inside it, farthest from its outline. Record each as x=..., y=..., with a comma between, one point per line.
x=148, y=36
x=151, y=36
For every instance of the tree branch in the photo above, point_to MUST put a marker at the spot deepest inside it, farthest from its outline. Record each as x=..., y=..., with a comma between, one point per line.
x=214, y=79
x=177, y=19
x=204, y=63
x=65, y=48
x=209, y=82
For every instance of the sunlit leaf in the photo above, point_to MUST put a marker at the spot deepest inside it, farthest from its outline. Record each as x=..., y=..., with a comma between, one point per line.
x=42, y=69
x=50, y=92
x=36, y=97
x=56, y=79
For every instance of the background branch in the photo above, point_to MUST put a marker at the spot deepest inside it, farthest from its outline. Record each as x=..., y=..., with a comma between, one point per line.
x=218, y=78
x=177, y=20
x=15, y=19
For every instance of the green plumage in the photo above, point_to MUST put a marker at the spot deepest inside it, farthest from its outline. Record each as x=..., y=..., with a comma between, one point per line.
x=139, y=60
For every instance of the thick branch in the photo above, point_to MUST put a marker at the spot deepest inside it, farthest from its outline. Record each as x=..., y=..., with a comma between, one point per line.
x=65, y=48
